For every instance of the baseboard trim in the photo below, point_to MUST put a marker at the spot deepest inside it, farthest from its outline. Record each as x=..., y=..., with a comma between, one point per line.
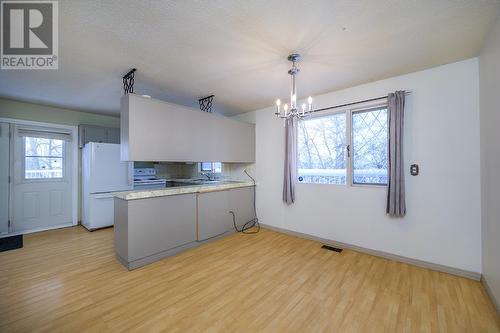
x=32, y=231
x=496, y=303
x=386, y=255
x=131, y=265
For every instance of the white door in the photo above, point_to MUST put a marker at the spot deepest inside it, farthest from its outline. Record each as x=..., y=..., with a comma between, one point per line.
x=42, y=179
x=4, y=177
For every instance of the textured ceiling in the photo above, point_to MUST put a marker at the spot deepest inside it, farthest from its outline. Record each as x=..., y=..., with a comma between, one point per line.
x=237, y=49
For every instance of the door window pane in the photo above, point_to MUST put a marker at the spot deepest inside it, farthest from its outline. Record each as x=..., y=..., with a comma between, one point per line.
x=322, y=150
x=369, y=143
x=43, y=158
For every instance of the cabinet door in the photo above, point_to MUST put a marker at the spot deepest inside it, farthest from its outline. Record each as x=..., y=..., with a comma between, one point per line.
x=90, y=133
x=241, y=203
x=159, y=224
x=213, y=214
x=113, y=135
x=153, y=130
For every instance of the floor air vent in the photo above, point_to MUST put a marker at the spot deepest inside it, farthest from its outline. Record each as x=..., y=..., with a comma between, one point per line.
x=331, y=248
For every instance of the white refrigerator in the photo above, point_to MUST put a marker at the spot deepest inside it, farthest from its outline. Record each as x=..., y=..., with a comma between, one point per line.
x=102, y=174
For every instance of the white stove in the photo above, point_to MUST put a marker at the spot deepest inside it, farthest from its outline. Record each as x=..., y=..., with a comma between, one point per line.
x=145, y=178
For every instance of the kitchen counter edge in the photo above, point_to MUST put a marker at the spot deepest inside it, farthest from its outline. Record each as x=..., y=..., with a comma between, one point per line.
x=145, y=194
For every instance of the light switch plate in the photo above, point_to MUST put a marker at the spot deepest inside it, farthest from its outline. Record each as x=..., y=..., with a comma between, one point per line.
x=414, y=169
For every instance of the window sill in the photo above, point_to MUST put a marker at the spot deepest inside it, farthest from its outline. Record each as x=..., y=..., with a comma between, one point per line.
x=370, y=185
x=42, y=180
x=346, y=185
x=305, y=183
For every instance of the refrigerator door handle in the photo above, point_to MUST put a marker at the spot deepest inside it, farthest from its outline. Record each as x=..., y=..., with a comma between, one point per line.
x=103, y=195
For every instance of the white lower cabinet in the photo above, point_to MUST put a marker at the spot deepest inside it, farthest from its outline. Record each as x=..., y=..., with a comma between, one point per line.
x=214, y=217
x=149, y=229
x=213, y=214
x=241, y=202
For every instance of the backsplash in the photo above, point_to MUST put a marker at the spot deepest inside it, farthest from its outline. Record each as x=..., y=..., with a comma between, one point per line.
x=185, y=170
x=236, y=171
x=177, y=170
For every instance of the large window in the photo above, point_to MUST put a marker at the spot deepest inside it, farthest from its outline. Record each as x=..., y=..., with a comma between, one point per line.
x=43, y=158
x=348, y=147
x=369, y=147
x=322, y=150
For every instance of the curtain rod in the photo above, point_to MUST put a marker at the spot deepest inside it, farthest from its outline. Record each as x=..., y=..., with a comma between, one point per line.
x=354, y=103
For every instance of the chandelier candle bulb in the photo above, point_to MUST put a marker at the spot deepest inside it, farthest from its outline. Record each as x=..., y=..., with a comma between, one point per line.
x=310, y=101
x=303, y=109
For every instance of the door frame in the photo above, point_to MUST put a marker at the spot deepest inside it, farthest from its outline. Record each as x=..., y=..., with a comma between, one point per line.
x=74, y=172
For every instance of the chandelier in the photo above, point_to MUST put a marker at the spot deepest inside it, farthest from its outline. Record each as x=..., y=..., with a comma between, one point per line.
x=291, y=110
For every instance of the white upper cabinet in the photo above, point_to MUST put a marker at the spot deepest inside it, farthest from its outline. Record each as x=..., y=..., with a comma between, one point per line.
x=153, y=130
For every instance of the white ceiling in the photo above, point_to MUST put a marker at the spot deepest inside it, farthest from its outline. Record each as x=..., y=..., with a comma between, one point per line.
x=237, y=49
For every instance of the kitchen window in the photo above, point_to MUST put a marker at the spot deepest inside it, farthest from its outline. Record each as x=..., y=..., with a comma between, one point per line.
x=214, y=167
x=347, y=147
x=43, y=158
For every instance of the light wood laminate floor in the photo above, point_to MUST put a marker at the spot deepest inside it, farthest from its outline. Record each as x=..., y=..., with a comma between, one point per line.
x=69, y=280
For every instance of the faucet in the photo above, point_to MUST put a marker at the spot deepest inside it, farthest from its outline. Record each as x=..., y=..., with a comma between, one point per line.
x=209, y=175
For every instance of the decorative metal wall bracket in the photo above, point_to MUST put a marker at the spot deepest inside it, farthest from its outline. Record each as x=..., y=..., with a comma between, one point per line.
x=206, y=103
x=128, y=81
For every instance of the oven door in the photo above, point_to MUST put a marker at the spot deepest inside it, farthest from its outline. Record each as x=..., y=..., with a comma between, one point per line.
x=149, y=184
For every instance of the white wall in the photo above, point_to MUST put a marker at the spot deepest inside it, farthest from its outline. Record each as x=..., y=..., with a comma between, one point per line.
x=442, y=225
x=489, y=80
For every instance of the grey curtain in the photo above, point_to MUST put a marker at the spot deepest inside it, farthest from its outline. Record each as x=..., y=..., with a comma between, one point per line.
x=290, y=161
x=396, y=204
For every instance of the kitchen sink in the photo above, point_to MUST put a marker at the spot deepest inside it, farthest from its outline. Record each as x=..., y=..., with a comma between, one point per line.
x=173, y=183
x=193, y=182
x=206, y=181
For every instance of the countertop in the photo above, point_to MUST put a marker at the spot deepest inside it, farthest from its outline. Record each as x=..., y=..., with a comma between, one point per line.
x=202, y=188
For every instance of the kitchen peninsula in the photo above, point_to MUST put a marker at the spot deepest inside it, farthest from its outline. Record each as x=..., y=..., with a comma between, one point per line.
x=152, y=224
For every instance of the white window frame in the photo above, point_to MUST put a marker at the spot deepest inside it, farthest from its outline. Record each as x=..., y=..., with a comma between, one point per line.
x=365, y=107
x=200, y=167
x=212, y=167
